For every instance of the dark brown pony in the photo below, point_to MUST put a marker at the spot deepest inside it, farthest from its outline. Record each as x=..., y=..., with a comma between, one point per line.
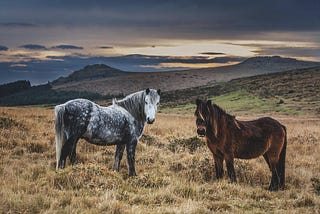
x=228, y=138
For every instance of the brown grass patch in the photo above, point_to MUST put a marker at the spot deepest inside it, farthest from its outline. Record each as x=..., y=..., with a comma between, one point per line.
x=175, y=172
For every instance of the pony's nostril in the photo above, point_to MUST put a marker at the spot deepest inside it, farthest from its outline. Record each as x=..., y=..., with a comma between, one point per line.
x=150, y=121
x=201, y=132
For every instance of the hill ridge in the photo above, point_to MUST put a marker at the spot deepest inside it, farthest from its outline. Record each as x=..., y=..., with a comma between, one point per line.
x=90, y=72
x=128, y=82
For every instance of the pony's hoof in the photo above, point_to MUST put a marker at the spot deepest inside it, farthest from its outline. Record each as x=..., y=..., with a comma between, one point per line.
x=115, y=169
x=132, y=174
x=273, y=188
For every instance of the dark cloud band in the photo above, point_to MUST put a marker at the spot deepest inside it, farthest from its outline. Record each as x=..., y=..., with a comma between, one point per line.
x=33, y=47
x=3, y=48
x=65, y=47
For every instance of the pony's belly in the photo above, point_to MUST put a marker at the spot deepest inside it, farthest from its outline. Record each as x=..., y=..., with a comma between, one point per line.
x=247, y=155
x=99, y=142
x=250, y=152
x=105, y=139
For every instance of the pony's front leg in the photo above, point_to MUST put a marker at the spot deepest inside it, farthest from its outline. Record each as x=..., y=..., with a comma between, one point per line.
x=131, y=150
x=230, y=169
x=218, y=163
x=118, y=156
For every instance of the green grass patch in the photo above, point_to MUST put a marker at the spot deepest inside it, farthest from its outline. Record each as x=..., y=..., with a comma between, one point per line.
x=243, y=101
x=239, y=101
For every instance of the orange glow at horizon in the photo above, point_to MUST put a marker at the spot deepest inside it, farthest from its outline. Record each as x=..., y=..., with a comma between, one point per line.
x=168, y=48
x=191, y=48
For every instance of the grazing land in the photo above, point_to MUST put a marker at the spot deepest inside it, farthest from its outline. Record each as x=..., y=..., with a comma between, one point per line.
x=175, y=170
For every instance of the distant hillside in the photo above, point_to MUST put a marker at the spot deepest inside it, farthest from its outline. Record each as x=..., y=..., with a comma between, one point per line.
x=295, y=89
x=127, y=82
x=14, y=87
x=274, y=64
x=90, y=72
x=44, y=94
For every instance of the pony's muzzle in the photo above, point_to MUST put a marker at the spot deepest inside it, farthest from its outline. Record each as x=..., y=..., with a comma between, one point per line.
x=201, y=132
x=150, y=121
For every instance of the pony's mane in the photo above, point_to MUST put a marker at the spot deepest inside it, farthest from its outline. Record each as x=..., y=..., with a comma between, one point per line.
x=223, y=112
x=217, y=114
x=134, y=104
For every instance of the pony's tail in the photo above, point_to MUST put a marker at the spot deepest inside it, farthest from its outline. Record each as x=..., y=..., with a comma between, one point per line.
x=282, y=160
x=59, y=127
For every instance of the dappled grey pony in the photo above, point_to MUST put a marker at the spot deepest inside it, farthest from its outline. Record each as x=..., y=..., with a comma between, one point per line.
x=120, y=124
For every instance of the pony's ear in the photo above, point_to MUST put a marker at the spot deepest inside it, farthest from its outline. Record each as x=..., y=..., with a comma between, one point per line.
x=198, y=101
x=159, y=91
x=209, y=103
x=147, y=91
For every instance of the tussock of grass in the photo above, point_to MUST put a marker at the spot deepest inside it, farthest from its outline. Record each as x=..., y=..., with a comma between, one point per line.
x=191, y=144
x=316, y=185
x=8, y=123
x=151, y=141
x=147, y=181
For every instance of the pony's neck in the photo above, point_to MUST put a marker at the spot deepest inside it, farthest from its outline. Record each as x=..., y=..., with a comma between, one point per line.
x=220, y=121
x=134, y=104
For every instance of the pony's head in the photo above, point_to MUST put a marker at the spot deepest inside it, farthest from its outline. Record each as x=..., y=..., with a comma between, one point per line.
x=151, y=103
x=202, y=115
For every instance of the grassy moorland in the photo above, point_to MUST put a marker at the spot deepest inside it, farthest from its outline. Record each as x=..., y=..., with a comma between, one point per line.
x=175, y=170
x=291, y=92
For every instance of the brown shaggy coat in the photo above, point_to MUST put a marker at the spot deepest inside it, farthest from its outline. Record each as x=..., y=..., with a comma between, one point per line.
x=228, y=138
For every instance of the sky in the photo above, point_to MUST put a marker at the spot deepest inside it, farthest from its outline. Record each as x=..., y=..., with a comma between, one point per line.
x=41, y=40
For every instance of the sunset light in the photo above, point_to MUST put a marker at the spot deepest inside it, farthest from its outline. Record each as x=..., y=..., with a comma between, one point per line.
x=52, y=39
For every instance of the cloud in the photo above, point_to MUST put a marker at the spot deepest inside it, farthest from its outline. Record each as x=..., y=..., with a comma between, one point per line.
x=172, y=17
x=306, y=52
x=3, y=48
x=67, y=47
x=212, y=53
x=33, y=47
x=106, y=47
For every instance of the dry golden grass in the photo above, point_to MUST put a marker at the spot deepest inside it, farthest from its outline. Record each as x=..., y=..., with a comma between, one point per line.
x=173, y=176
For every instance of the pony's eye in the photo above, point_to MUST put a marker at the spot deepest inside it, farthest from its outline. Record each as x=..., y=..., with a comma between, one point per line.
x=146, y=102
x=158, y=104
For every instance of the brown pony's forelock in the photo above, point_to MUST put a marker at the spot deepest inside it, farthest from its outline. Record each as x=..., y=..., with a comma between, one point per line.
x=211, y=114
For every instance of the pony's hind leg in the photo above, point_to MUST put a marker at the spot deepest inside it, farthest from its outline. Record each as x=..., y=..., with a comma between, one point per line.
x=65, y=151
x=281, y=164
x=274, y=184
x=273, y=162
x=68, y=149
x=267, y=160
x=118, y=156
x=73, y=154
